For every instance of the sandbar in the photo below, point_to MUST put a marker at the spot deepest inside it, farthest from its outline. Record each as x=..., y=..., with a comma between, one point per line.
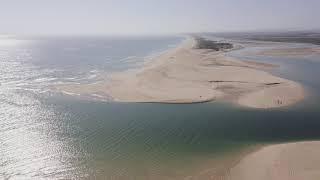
x=187, y=74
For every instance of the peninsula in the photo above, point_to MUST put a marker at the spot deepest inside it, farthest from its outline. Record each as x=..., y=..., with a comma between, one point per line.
x=196, y=71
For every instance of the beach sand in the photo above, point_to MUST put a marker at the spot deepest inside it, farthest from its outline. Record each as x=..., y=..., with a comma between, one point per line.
x=189, y=75
x=292, y=161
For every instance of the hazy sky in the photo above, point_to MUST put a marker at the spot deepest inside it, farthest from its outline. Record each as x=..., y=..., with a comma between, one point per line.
x=155, y=16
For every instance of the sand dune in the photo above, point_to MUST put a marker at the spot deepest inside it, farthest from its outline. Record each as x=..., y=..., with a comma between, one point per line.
x=293, y=161
x=189, y=75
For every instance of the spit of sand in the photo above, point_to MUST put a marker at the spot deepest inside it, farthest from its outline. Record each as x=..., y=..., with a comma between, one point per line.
x=190, y=75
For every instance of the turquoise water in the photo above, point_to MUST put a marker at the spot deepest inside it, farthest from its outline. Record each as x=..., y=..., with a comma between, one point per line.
x=53, y=136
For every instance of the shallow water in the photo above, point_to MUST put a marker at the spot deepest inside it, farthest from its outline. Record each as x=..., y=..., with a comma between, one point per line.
x=49, y=135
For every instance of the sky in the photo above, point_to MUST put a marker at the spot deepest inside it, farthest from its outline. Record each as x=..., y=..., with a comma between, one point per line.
x=117, y=17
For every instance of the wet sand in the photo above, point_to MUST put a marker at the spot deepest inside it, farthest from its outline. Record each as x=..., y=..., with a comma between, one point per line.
x=292, y=161
x=189, y=75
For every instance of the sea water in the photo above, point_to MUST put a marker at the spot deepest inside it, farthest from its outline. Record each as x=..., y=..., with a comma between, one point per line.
x=48, y=135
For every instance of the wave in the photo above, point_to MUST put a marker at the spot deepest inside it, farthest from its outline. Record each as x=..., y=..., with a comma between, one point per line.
x=128, y=58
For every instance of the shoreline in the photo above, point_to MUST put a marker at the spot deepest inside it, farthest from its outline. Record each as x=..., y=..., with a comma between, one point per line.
x=186, y=74
x=290, y=52
x=219, y=167
x=297, y=160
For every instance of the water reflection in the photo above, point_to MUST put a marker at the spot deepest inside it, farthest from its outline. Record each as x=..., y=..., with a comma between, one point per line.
x=31, y=146
x=45, y=135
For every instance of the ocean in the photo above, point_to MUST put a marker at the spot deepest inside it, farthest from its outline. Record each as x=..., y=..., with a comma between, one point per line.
x=51, y=135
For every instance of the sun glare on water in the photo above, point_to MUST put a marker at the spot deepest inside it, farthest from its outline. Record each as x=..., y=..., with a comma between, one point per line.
x=8, y=41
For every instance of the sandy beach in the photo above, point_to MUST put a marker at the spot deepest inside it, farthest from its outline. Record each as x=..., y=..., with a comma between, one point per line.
x=190, y=75
x=292, y=161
